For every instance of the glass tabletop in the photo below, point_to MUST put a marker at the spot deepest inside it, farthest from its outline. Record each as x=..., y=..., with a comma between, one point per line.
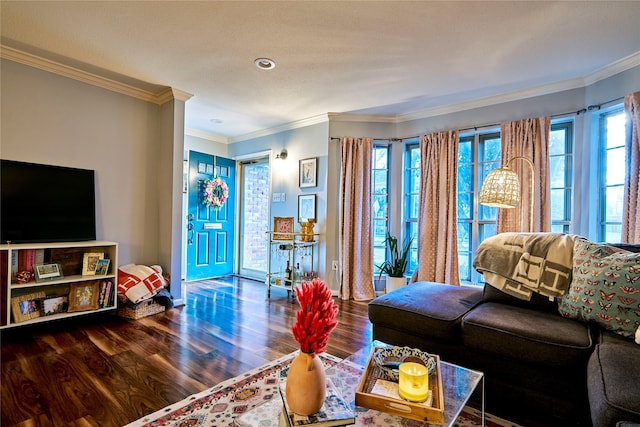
x=458, y=385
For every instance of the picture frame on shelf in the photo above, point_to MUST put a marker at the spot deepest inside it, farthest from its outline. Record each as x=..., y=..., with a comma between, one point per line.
x=25, y=307
x=44, y=272
x=308, y=171
x=102, y=266
x=55, y=305
x=282, y=228
x=307, y=207
x=83, y=296
x=90, y=262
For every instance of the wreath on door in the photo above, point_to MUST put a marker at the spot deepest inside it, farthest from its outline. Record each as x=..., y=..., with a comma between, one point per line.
x=215, y=192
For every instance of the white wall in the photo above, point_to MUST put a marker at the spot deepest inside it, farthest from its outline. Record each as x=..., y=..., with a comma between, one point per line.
x=51, y=119
x=303, y=143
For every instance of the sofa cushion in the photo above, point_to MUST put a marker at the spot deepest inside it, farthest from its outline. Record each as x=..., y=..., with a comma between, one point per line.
x=605, y=288
x=527, y=335
x=613, y=378
x=537, y=301
x=435, y=308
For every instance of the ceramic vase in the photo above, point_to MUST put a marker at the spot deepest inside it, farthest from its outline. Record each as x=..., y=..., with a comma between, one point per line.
x=393, y=283
x=306, y=384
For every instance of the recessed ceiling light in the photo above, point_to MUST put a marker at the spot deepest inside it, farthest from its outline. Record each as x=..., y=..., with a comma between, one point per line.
x=265, y=63
x=216, y=121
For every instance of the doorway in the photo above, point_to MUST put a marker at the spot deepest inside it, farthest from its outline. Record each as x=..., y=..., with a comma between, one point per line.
x=254, y=203
x=210, y=229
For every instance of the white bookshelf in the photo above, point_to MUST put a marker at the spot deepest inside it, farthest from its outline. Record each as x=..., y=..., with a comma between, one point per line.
x=69, y=256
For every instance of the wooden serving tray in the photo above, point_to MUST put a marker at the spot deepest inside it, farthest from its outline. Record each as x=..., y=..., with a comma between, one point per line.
x=433, y=414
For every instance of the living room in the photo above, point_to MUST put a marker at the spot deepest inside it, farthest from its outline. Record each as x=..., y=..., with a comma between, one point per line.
x=136, y=142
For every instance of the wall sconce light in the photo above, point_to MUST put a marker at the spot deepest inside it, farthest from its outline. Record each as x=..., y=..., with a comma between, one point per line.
x=501, y=188
x=283, y=154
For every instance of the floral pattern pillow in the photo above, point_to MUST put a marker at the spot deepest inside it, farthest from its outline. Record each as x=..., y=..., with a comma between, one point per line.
x=605, y=288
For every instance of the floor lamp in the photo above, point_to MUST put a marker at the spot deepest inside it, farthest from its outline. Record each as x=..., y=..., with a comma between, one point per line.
x=501, y=188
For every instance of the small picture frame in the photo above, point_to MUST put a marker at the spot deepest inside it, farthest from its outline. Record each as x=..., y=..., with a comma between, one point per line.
x=83, y=296
x=55, y=305
x=26, y=307
x=308, y=172
x=90, y=262
x=282, y=228
x=102, y=267
x=306, y=207
x=44, y=272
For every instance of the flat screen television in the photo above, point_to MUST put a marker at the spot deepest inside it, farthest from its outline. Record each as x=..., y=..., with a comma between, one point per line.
x=45, y=203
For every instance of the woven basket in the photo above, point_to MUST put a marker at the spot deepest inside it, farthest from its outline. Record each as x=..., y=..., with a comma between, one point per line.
x=142, y=309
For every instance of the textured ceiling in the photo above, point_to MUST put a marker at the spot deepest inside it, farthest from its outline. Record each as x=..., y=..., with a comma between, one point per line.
x=366, y=57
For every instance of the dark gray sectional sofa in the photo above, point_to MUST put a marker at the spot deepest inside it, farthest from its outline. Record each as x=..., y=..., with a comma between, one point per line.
x=541, y=368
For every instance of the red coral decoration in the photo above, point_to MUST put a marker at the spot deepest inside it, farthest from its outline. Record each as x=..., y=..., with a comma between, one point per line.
x=316, y=317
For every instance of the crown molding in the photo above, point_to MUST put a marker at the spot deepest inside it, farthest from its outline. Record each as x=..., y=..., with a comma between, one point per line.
x=607, y=71
x=171, y=93
x=575, y=83
x=377, y=118
x=612, y=69
x=321, y=118
x=55, y=67
x=206, y=135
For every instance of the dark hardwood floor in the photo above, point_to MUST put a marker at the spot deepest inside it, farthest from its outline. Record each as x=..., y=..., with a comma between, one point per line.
x=108, y=371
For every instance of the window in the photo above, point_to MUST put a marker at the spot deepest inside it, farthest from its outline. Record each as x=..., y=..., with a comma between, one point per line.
x=478, y=154
x=380, y=202
x=412, y=200
x=612, y=174
x=560, y=173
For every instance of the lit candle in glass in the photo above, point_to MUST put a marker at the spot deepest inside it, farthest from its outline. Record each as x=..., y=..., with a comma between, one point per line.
x=414, y=382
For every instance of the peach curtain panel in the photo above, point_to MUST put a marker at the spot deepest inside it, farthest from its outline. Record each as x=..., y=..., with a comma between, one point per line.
x=631, y=208
x=437, y=227
x=356, y=234
x=527, y=138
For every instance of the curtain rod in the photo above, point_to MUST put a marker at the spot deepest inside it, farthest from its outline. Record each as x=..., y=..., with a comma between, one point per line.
x=593, y=107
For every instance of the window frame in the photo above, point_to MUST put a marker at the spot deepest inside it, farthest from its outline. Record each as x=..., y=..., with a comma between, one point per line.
x=568, y=126
x=374, y=219
x=409, y=222
x=603, y=150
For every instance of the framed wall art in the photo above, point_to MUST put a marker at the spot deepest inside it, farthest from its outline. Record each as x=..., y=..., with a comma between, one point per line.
x=308, y=172
x=83, y=296
x=282, y=228
x=307, y=207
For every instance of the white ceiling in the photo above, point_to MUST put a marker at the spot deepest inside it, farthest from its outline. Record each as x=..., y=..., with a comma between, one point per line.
x=396, y=59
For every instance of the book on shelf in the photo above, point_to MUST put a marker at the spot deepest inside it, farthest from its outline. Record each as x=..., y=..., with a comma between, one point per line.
x=106, y=294
x=335, y=411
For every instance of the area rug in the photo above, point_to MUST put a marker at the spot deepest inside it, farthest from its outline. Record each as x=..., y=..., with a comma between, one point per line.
x=253, y=399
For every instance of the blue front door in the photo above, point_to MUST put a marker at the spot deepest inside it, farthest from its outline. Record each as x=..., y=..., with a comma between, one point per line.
x=210, y=230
